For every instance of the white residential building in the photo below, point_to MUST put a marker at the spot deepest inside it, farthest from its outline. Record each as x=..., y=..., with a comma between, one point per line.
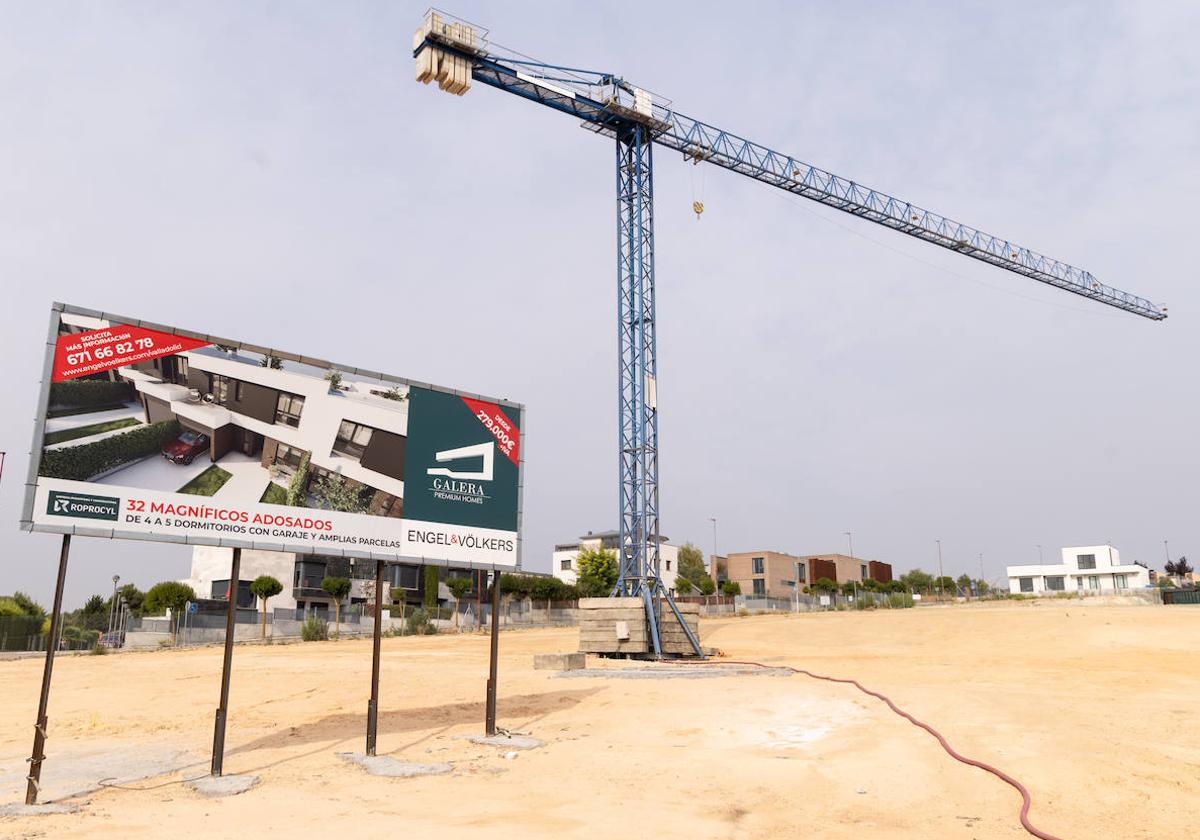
x=565, y=568
x=1084, y=569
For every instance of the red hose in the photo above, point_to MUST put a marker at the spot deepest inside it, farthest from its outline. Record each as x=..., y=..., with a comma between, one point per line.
x=1026, y=801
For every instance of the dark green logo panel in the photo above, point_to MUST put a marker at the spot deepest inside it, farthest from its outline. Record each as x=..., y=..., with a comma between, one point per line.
x=462, y=461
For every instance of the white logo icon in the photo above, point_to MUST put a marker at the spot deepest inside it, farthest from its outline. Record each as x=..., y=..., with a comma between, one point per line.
x=62, y=505
x=487, y=451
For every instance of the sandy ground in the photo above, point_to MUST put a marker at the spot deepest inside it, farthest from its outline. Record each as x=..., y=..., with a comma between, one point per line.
x=1094, y=708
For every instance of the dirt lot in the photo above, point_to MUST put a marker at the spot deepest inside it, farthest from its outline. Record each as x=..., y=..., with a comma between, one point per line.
x=1094, y=708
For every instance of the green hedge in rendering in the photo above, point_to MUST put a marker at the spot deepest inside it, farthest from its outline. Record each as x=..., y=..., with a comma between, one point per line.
x=80, y=463
x=80, y=393
x=65, y=435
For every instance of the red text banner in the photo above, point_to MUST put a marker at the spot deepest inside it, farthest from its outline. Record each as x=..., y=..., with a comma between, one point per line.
x=85, y=353
x=508, y=436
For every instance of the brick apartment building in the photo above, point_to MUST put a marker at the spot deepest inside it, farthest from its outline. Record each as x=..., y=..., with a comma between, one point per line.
x=774, y=574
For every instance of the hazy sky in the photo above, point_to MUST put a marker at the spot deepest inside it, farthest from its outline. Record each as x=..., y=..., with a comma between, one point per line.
x=271, y=171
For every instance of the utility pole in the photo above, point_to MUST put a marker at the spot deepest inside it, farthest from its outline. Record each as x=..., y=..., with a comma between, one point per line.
x=713, y=571
x=941, y=587
x=1166, y=551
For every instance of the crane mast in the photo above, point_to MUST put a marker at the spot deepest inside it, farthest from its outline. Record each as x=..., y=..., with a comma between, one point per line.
x=454, y=54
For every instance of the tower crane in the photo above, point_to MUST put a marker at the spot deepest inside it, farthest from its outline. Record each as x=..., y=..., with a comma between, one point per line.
x=455, y=53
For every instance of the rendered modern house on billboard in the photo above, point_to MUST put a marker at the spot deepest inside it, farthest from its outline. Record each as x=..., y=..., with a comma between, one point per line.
x=283, y=419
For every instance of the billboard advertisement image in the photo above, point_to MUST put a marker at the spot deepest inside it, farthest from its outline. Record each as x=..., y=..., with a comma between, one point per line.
x=147, y=431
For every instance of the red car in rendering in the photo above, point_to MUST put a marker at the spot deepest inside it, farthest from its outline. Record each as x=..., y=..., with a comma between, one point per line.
x=185, y=447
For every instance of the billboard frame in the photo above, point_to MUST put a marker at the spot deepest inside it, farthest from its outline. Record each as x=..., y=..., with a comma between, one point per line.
x=58, y=309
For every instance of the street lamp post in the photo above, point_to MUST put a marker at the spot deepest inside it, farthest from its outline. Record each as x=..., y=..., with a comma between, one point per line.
x=1166, y=551
x=112, y=609
x=941, y=587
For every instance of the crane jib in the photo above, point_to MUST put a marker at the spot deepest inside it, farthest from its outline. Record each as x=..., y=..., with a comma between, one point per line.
x=699, y=141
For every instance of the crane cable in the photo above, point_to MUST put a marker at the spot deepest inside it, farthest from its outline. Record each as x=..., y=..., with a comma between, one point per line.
x=1026, y=799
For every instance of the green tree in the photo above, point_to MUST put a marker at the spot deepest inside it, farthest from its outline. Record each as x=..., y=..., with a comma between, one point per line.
x=29, y=606
x=265, y=587
x=271, y=361
x=432, y=576
x=707, y=586
x=944, y=584
x=9, y=607
x=731, y=588
x=964, y=584
x=459, y=587
x=93, y=615
x=297, y=492
x=683, y=586
x=597, y=572
x=982, y=587
x=850, y=587
x=133, y=597
x=894, y=586
x=337, y=493
x=336, y=588
x=825, y=586
x=169, y=595
x=691, y=566
x=917, y=581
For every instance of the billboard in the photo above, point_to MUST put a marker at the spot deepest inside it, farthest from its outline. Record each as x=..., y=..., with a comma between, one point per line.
x=151, y=432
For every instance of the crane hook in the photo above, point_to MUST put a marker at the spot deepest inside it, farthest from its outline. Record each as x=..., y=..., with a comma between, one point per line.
x=698, y=207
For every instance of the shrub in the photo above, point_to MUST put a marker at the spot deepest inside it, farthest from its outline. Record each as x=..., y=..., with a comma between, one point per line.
x=731, y=588
x=900, y=600
x=314, y=629
x=419, y=623
x=98, y=650
x=80, y=463
x=431, y=586
x=84, y=393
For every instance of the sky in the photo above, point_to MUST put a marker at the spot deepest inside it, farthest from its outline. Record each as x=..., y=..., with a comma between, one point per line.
x=271, y=171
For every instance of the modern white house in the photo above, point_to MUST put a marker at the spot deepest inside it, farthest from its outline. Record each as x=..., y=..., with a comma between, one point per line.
x=1086, y=569
x=564, y=566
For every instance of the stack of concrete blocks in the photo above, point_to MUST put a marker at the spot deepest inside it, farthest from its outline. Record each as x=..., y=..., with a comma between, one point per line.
x=451, y=72
x=619, y=626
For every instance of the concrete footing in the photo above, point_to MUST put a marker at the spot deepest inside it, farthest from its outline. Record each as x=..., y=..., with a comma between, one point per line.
x=559, y=661
x=384, y=765
x=20, y=809
x=223, y=785
x=509, y=742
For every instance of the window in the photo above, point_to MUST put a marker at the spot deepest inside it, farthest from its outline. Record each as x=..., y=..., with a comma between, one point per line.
x=1120, y=582
x=352, y=439
x=565, y=565
x=1055, y=583
x=1027, y=584
x=862, y=572
x=1086, y=561
x=802, y=571
x=309, y=574
x=1093, y=581
x=288, y=408
x=790, y=583
x=237, y=390
x=760, y=586
x=245, y=598
x=668, y=565
x=758, y=565
x=288, y=457
x=220, y=389
x=406, y=577
x=181, y=367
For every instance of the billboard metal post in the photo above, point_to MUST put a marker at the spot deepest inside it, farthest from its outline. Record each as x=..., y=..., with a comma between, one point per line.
x=490, y=722
x=218, y=755
x=39, y=730
x=373, y=703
